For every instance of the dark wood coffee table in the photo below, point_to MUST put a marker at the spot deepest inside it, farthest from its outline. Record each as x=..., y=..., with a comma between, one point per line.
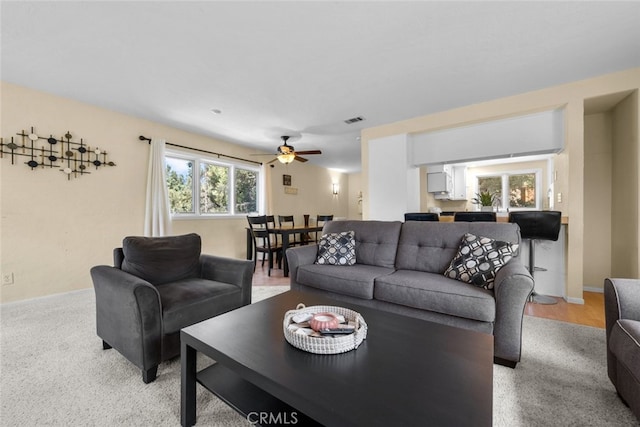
x=407, y=371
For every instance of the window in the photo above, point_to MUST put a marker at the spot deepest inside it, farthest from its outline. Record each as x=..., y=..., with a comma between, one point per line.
x=518, y=190
x=206, y=187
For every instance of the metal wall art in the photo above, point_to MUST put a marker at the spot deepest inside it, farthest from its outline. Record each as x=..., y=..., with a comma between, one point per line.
x=70, y=157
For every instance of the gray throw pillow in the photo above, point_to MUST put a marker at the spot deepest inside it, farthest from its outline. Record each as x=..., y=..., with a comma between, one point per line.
x=161, y=260
x=479, y=259
x=337, y=249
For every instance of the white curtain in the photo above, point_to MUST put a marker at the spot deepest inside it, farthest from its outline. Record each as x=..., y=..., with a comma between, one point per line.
x=157, y=218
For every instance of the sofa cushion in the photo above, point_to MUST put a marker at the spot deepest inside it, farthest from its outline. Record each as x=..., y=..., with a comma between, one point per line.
x=189, y=301
x=624, y=342
x=434, y=292
x=356, y=280
x=376, y=241
x=337, y=249
x=430, y=246
x=162, y=259
x=479, y=259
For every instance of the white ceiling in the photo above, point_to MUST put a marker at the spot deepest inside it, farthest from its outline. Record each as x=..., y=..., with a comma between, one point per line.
x=302, y=68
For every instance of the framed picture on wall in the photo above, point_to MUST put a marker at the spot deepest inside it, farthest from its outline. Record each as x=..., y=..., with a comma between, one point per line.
x=286, y=179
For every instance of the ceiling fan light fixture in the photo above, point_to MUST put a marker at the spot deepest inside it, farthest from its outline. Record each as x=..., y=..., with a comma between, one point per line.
x=286, y=158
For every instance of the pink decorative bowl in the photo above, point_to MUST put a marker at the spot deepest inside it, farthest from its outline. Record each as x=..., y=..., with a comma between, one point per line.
x=321, y=321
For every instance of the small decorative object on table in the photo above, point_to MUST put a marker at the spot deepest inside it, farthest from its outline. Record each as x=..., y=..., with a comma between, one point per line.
x=324, y=329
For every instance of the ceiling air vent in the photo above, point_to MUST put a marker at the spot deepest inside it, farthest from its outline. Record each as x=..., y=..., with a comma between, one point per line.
x=354, y=120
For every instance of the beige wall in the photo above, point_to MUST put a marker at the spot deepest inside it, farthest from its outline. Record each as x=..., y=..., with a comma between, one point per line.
x=597, y=198
x=355, y=196
x=569, y=164
x=314, y=191
x=53, y=230
x=625, y=232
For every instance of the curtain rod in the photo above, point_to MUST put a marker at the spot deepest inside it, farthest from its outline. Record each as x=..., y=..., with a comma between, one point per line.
x=143, y=138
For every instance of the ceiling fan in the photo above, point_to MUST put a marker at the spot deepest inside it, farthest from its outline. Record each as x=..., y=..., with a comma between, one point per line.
x=287, y=154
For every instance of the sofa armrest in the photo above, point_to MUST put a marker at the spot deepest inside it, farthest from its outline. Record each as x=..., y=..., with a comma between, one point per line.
x=512, y=287
x=298, y=256
x=622, y=298
x=128, y=315
x=234, y=271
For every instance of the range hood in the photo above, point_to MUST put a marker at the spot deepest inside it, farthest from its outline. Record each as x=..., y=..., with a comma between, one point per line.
x=447, y=182
x=440, y=184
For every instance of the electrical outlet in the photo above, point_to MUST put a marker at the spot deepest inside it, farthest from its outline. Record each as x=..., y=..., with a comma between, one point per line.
x=7, y=279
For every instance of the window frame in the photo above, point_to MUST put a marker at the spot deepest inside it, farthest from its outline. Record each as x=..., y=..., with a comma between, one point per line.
x=504, y=176
x=198, y=160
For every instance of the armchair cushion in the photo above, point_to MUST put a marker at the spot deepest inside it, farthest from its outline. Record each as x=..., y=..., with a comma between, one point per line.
x=190, y=301
x=161, y=260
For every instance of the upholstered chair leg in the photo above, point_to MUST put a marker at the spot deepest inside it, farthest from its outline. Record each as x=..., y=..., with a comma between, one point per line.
x=105, y=345
x=149, y=375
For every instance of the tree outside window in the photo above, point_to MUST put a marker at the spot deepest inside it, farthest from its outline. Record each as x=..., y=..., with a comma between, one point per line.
x=180, y=184
x=246, y=186
x=214, y=188
x=491, y=185
x=522, y=191
x=221, y=188
x=515, y=190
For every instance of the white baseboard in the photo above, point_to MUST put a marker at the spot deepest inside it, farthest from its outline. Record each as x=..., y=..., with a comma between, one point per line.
x=575, y=300
x=581, y=300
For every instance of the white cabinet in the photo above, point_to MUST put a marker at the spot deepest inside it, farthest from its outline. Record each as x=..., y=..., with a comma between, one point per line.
x=459, y=176
x=447, y=182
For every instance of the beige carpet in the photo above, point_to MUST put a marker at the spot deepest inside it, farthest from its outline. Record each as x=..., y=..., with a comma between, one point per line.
x=54, y=372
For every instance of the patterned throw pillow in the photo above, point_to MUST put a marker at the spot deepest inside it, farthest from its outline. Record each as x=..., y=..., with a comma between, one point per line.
x=337, y=249
x=479, y=259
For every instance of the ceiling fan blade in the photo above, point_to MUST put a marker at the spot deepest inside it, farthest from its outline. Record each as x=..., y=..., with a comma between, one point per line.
x=269, y=162
x=309, y=152
x=301, y=159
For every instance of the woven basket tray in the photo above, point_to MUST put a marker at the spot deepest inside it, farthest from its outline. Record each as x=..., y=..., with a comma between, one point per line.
x=330, y=344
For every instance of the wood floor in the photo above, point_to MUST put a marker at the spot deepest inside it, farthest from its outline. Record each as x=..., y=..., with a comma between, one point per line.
x=589, y=314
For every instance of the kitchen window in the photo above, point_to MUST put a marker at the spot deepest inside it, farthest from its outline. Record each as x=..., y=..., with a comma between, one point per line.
x=518, y=190
x=206, y=187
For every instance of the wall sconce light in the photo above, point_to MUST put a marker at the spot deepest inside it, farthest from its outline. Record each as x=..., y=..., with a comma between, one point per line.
x=335, y=189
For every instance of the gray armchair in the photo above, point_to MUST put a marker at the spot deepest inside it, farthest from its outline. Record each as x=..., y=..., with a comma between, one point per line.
x=622, y=315
x=157, y=286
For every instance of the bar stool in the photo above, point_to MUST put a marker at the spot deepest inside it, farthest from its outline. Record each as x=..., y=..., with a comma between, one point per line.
x=537, y=225
x=421, y=216
x=475, y=216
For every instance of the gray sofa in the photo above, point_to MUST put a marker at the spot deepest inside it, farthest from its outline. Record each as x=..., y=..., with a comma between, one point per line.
x=399, y=268
x=622, y=316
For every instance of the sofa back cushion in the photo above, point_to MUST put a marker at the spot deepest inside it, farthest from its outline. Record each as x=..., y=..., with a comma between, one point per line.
x=376, y=241
x=161, y=260
x=430, y=246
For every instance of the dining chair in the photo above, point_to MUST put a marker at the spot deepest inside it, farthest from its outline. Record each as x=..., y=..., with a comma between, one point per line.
x=271, y=222
x=263, y=241
x=321, y=220
x=287, y=221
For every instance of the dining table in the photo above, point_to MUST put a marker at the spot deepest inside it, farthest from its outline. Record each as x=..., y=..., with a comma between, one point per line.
x=284, y=232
